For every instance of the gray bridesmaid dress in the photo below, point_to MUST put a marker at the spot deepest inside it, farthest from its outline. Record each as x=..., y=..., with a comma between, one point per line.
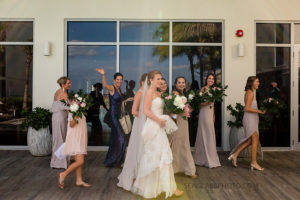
x=180, y=144
x=205, y=145
x=59, y=132
x=250, y=124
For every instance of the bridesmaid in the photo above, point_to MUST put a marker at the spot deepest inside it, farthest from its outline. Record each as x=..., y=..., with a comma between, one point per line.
x=117, y=143
x=205, y=145
x=59, y=121
x=250, y=124
x=76, y=145
x=179, y=141
x=129, y=171
x=164, y=86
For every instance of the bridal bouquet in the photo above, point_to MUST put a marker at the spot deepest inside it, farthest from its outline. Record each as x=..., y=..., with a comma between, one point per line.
x=78, y=103
x=175, y=104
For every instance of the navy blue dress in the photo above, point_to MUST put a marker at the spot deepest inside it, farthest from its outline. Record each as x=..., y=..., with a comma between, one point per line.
x=117, y=143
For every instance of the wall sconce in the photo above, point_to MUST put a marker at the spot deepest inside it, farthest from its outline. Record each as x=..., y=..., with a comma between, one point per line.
x=47, y=49
x=240, y=50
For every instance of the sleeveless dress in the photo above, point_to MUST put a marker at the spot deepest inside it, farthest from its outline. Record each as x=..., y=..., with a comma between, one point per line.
x=180, y=144
x=59, y=132
x=117, y=143
x=129, y=171
x=76, y=141
x=205, y=145
x=250, y=124
x=155, y=172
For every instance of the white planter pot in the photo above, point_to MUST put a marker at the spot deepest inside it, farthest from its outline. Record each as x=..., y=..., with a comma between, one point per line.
x=39, y=142
x=236, y=134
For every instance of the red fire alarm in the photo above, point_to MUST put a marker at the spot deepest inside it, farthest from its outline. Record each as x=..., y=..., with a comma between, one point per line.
x=239, y=33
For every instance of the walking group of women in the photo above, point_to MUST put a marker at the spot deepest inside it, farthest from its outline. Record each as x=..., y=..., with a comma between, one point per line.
x=152, y=157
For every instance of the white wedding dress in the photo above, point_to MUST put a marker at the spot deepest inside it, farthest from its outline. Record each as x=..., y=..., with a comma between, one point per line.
x=155, y=173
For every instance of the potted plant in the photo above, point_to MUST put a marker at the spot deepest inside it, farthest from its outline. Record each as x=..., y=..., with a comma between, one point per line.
x=39, y=139
x=236, y=127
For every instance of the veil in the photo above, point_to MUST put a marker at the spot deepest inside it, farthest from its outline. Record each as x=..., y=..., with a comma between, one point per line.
x=142, y=116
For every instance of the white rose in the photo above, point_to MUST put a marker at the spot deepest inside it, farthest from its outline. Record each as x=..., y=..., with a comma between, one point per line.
x=177, y=101
x=74, y=107
x=76, y=96
x=79, y=98
x=191, y=96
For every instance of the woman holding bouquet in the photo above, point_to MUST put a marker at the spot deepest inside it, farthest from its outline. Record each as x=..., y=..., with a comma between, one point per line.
x=117, y=143
x=205, y=145
x=155, y=173
x=250, y=124
x=179, y=140
x=75, y=145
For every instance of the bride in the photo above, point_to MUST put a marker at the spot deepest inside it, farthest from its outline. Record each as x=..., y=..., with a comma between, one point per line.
x=155, y=172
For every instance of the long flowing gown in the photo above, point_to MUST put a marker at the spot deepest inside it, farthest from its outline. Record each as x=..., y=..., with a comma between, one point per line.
x=250, y=124
x=180, y=144
x=117, y=143
x=205, y=145
x=155, y=172
x=59, y=132
x=129, y=171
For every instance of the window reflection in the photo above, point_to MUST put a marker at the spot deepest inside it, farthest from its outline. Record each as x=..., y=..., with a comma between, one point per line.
x=82, y=64
x=15, y=31
x=15, y=93
x=273, y=33
x=273, y=65
x=144, y=32
x=92, y=31
x=195, y=63
x=204, y=32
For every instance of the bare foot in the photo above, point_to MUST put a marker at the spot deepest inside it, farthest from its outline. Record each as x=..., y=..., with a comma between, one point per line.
x=178, y=193
x=83, y=184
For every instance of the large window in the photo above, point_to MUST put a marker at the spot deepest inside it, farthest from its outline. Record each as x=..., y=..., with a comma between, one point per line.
x=176, y=48
x=273, y=67
x=16, y=44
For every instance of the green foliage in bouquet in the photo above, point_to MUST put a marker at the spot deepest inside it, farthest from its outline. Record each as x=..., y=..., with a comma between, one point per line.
x=273, y=106
x=37, y=119
x=194, y=99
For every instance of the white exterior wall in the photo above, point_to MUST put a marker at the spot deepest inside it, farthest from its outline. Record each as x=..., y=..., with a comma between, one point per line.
x=49, y=17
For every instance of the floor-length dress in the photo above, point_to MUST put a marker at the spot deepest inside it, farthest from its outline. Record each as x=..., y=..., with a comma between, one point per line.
x=117, y=143
x=129, y=171
x=180, y=144
x=59, y=132
x=76, y=140
x=250, y=124
x=155, y=172
x=205, y=145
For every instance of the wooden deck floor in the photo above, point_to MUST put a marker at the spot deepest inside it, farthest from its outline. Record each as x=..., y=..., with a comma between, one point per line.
x=23, y=176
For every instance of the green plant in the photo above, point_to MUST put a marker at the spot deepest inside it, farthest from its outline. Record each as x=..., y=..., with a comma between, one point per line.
x=37, y=119
x=237, y=113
